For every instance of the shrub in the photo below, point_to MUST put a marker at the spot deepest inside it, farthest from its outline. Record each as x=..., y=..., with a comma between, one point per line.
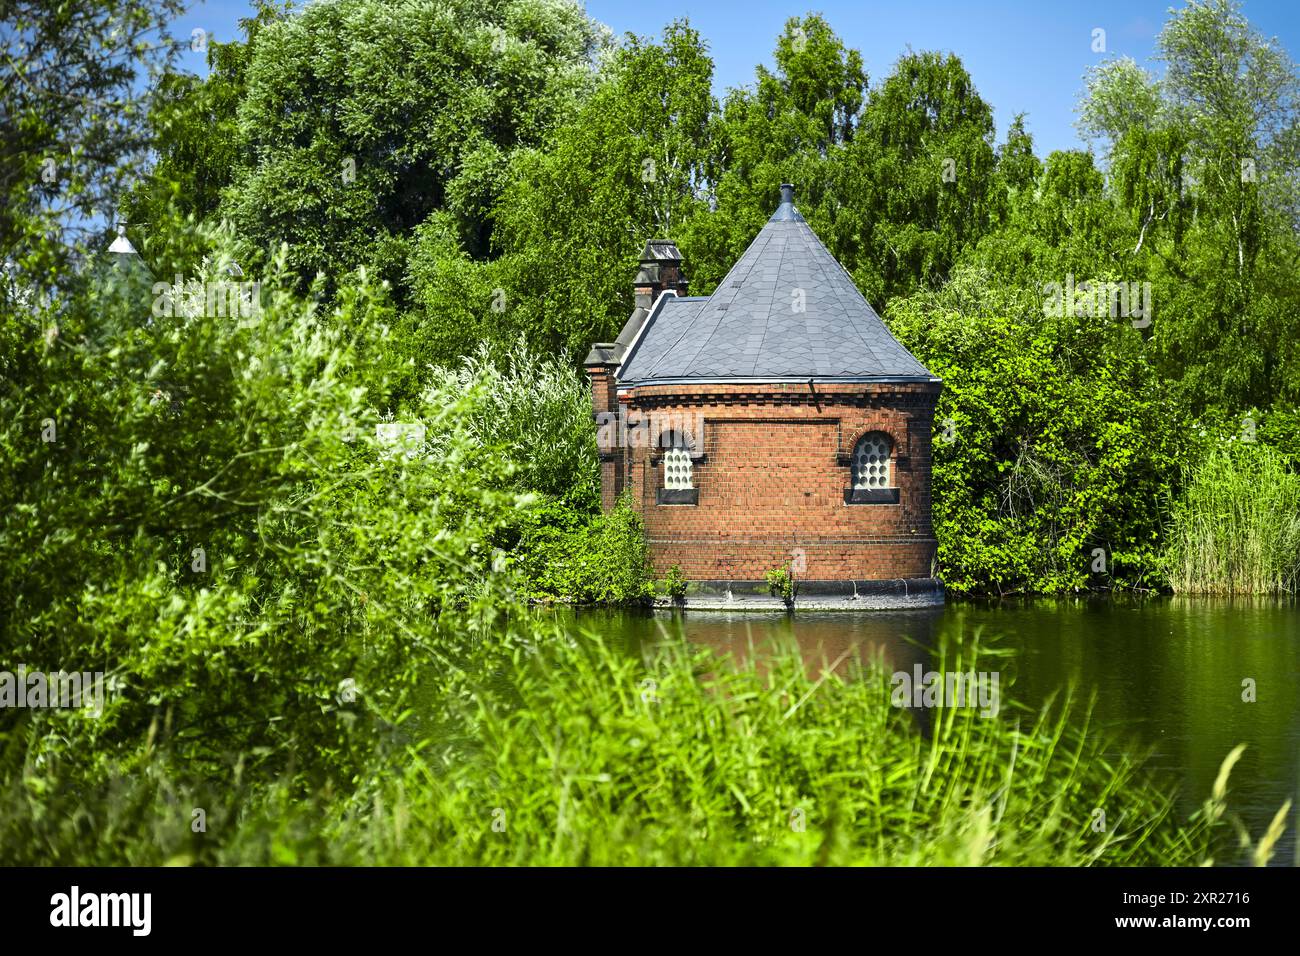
x=533, y=410
x=601, y=559
x=1053, y=439
x=212, y=526
x=674, y=585
x=780, y=583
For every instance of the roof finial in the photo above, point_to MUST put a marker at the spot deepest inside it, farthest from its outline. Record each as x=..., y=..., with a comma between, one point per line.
x=122, y=244
x=787, y=193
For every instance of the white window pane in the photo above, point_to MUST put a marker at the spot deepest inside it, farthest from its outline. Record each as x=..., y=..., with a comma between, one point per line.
x=872, y=462
x=677, y=469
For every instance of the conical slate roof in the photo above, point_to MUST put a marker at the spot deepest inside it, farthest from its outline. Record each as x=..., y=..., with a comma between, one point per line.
x=787, y=311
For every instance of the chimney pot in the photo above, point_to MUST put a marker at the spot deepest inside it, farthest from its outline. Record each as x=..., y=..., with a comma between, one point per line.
x=661, y=270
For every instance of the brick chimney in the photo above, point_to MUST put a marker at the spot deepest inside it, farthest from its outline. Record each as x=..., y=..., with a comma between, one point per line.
x=602, y=364
x=661, y=269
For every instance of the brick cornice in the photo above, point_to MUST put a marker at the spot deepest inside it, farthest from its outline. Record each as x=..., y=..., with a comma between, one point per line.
x=802, y=541
x=845, y=394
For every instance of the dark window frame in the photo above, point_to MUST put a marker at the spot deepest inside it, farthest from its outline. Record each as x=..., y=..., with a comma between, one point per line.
x=873, y=496
x=676, y=496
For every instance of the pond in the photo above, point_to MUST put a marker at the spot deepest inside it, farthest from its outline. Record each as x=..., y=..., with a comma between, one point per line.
x=1168, y=674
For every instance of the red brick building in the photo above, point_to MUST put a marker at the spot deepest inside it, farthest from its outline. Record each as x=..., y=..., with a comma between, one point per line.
x=775, y=423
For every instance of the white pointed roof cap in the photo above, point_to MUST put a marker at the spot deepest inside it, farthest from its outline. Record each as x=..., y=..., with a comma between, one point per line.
x=122, y=244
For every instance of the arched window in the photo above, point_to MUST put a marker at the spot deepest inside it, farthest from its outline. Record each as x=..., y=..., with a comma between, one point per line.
x=678, y=457
x=677, y=462
x=873, y=462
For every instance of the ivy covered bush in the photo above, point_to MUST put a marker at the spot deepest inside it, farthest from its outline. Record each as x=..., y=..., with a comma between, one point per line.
x=1055, y=449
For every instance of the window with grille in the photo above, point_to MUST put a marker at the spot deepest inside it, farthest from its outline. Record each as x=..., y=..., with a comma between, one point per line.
x=678, y=456
x=677, y=469
x=871, y=462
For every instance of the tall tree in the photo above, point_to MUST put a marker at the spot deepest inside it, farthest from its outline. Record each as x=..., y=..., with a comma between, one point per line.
x=631, y=165
x=196, y=130
x=1205, y=161
x=917, y=184
x=787, y=127
x=362, y=118
x=72, y=120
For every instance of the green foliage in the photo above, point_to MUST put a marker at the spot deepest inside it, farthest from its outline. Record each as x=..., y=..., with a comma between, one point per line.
x=73, y=127
x=533, y=410
x=360, y=119
x=287, y=607
x=1120, y=96
x=456, y=301
x=780, y=583
x=568, y=556
x=1205, y=161
x=786, y=128
x=782, y=767
x=1196, y=201
x=1051, y=440
x=626, y=168
x=211, y=525
x=1280, y=429
x=196, y=130
x=918, y=182
x=1236, y=530
x=749, y=764
x=673, y=584
x=1017, y=164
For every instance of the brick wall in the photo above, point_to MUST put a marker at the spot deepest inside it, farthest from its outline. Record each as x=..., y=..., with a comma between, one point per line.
x=771, y=469
x=603, y=401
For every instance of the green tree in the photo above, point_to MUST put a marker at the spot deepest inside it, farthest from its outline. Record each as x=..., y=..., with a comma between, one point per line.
x=1017, y=164
x=1205, y=162
x=203, y=510
x=1053, y=441
x=917, y=184
x=787, y=127
x=362, y=118
x=196, y=132
x=72, y=122
x=630, y=166
x=1063, y=225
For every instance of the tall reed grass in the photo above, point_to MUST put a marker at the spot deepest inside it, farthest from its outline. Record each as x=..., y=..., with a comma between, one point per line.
x=579, y=753
x=700, y=761
x=1237, y=528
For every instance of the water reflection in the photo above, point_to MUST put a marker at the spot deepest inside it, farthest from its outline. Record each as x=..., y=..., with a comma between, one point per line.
x=824, y=642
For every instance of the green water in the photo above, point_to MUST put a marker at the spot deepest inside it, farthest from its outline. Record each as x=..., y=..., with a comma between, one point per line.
x=1167, y=674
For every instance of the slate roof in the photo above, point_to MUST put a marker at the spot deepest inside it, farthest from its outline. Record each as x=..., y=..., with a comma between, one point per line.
x=750, y=328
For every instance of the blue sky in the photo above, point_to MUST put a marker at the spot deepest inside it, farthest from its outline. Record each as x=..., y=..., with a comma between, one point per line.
x=1024, y=56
